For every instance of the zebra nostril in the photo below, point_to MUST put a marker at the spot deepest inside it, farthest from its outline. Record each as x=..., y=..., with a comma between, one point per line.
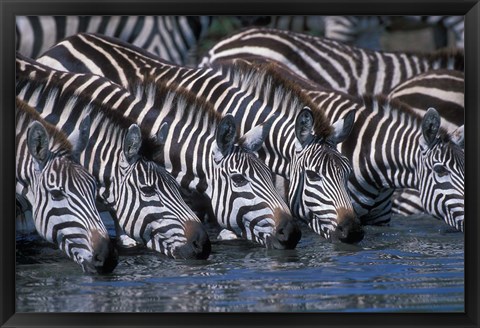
x=195, y=245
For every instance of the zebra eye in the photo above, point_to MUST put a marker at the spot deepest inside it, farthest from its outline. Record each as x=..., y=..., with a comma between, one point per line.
x=441, y=170
x=239, y=180
x=57, y=194
x=313, y=176
x=148, y=191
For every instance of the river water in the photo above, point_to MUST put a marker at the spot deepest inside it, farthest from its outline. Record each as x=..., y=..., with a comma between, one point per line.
x=414, y=265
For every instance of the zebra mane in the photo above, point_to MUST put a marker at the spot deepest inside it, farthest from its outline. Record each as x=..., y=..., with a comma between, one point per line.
x=446, y=55
x=173, y=97
x=59, y=139
x=395, y=107
x=267, y=81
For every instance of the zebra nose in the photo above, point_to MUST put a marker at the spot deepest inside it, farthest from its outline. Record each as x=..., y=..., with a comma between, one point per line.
x=105, y=255
x=287, y=231
x=198, y=244
x=349, y=230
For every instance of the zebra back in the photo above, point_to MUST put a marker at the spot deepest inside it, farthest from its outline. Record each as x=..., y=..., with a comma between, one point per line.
x=60, y=192
x=332, y=64
x=442, y=89
x=143, y=197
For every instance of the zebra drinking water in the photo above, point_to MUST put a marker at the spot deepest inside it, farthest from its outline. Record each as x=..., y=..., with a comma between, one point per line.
x=143, y=198
x=206, y=156
x=390, y=148
x=59, y=192
x=323, y=202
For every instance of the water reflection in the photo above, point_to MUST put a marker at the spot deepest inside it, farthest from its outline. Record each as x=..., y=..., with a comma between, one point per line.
x=396, y=268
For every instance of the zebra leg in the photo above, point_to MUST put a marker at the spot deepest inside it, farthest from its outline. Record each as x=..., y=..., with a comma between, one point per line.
x=123, y=241
x=227, y=235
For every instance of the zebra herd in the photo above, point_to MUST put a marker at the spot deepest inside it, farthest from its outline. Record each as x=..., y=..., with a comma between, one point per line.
x=115, y=121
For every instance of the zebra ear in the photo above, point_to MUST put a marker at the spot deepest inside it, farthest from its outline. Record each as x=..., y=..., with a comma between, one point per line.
x=132, y=143
x=303, y=128
x=37, y=143
x=342, y=128
x=161, y=136
x=458, y=136
x=430, y=126
x=79, y=139
x=160, y=139
x=254, y=138
x=162, y=133
x=224, y=137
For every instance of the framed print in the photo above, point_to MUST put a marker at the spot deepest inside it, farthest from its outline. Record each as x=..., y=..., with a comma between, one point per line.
x=360, y=80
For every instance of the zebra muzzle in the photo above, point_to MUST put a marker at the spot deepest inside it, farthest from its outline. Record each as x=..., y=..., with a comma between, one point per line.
x=349, y=229
x=198, y=244
x=104, y=257
x=287, y=232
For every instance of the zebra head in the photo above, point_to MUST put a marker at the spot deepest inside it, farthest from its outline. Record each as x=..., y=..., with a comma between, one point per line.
x=243, y=196
x=64, y=208
x=149, y=206
x=441, y=171
x=318, y=190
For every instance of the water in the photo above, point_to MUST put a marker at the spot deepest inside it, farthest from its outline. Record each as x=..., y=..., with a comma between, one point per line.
x=414, y=265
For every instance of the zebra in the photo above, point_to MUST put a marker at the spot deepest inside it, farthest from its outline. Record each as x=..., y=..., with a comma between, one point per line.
x=59, y=192
x=141, y=195
x=371, y=185
x=431, y=160
x=323, y=211
x=207, y=157
x=332, y=64
x=170, y=37
x=443, y=90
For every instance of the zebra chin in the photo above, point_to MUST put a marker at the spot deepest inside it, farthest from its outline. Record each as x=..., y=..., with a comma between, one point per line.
x=197, y=246
x=287, y=232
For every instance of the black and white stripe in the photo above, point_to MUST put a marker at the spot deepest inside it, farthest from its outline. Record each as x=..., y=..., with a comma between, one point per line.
x=59, y=193
x=329, y=63
x=251, y=101
x=443, y=90
x=196, y=166
x=394, y=148
x=170, y=37
x=142, y=196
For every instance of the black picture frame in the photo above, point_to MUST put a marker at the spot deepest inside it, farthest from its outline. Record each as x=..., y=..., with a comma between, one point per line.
x=10, y=8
